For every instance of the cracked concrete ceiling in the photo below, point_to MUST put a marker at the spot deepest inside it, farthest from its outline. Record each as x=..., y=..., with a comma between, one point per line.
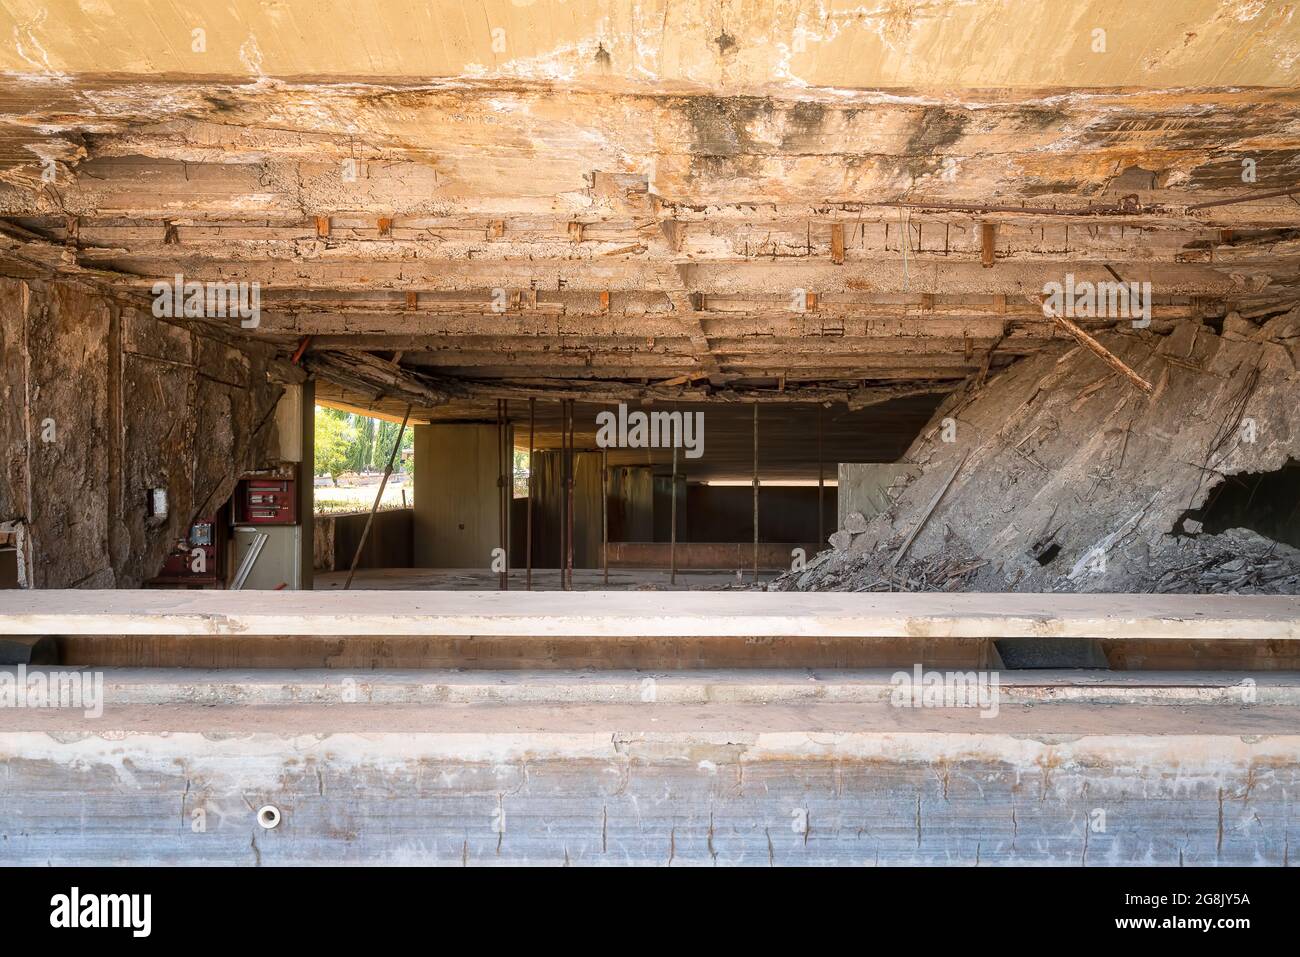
x=678, y=200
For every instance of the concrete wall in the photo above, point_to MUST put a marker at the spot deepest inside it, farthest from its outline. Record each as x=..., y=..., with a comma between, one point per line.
x=13, y=399
x=723, y=556
x=456, y=522
x=388, y=546
x=631, y=504
x=725, y=513
x=99, y=403
x=548, y=509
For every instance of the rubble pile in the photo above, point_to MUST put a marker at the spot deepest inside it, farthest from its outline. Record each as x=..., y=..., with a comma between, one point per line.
x=1237, y=561
x=1059, y=474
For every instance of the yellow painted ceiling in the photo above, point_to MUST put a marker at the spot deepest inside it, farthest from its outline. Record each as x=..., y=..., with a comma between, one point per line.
x=727, y=45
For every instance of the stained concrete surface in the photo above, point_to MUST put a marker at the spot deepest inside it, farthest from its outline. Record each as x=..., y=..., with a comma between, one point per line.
x=792, y=782
x=146, y=686
x=678, y=45
x=752, y=140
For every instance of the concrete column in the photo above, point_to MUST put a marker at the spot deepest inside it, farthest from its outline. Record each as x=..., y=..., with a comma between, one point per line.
x=295, y=430
x=306, y=483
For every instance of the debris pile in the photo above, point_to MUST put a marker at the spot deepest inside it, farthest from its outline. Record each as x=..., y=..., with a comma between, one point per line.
x=1237, y=561
x=1059, y=474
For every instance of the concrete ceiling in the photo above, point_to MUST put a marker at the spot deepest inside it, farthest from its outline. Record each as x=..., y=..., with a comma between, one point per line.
x=725, y=45
x=722, y=200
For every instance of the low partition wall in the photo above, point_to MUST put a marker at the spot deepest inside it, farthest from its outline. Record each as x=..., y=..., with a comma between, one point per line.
x=712, y=556
x=388, y=546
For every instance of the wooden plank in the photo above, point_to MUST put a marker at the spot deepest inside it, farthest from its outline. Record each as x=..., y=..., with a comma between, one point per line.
x=1106, y=356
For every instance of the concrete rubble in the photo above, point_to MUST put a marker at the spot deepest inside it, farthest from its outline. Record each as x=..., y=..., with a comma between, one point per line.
x=1063, y=477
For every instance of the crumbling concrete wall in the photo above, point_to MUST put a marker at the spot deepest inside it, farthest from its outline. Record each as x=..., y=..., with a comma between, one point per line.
x=69, y=437
x=13, y=401
x=103, y=403
x=1060, y=475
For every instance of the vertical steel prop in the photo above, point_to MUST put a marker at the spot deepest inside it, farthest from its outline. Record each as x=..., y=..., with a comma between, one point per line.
x=528, y=522
x=755, y=491
x=672, y=540
x=568, y=562
x=821, y=483
x=604, y=516
x=564, y=478
x=501, y=522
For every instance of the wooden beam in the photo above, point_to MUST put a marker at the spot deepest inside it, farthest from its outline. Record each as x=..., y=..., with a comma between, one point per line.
x=1106, y=356
x=352, y=369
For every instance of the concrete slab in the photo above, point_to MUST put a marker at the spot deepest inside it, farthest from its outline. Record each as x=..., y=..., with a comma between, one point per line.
x=786, y=781
x=142, y=686
x=595, y=614
x=532, y=727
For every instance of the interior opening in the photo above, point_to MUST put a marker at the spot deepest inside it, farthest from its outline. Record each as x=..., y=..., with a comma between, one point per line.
x=588, y=488
x=1048, y=554
x=1267, y=503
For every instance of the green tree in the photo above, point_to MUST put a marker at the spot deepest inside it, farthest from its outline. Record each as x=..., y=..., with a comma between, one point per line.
x=336, y=438
x=384, y=440
x=521, y=470
x=361, y=457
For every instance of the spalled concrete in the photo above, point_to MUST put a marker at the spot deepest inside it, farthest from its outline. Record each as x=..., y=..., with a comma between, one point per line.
x=104, y=404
